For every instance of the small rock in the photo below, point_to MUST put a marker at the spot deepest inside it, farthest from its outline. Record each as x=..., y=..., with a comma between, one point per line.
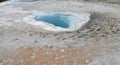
x=62, y=50
x=86, y=61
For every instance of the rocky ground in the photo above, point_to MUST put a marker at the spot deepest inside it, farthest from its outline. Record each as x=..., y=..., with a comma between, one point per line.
x=96, y=43
x=102, y=1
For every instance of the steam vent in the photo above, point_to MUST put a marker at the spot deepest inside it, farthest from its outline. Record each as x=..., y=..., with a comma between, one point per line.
x=60, y=32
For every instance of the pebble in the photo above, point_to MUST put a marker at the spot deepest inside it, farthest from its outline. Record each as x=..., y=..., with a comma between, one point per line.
x=86, y=61
x=62, y=50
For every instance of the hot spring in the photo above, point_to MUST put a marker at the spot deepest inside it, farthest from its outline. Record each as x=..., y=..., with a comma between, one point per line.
x=57, y=21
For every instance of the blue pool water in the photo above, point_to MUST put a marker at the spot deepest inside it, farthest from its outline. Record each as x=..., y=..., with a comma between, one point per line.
x=57, y=19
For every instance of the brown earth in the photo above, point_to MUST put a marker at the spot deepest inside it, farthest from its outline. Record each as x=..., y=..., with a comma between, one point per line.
x=61, y=56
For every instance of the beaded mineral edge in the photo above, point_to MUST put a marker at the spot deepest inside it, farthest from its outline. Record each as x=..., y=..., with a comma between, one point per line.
x=58, y=21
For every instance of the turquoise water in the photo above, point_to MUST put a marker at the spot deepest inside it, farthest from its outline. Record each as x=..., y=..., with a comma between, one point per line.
x=57, y=19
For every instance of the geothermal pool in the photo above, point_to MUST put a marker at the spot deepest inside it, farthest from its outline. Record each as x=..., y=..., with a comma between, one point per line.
x=57, y=19
x=63, y=20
